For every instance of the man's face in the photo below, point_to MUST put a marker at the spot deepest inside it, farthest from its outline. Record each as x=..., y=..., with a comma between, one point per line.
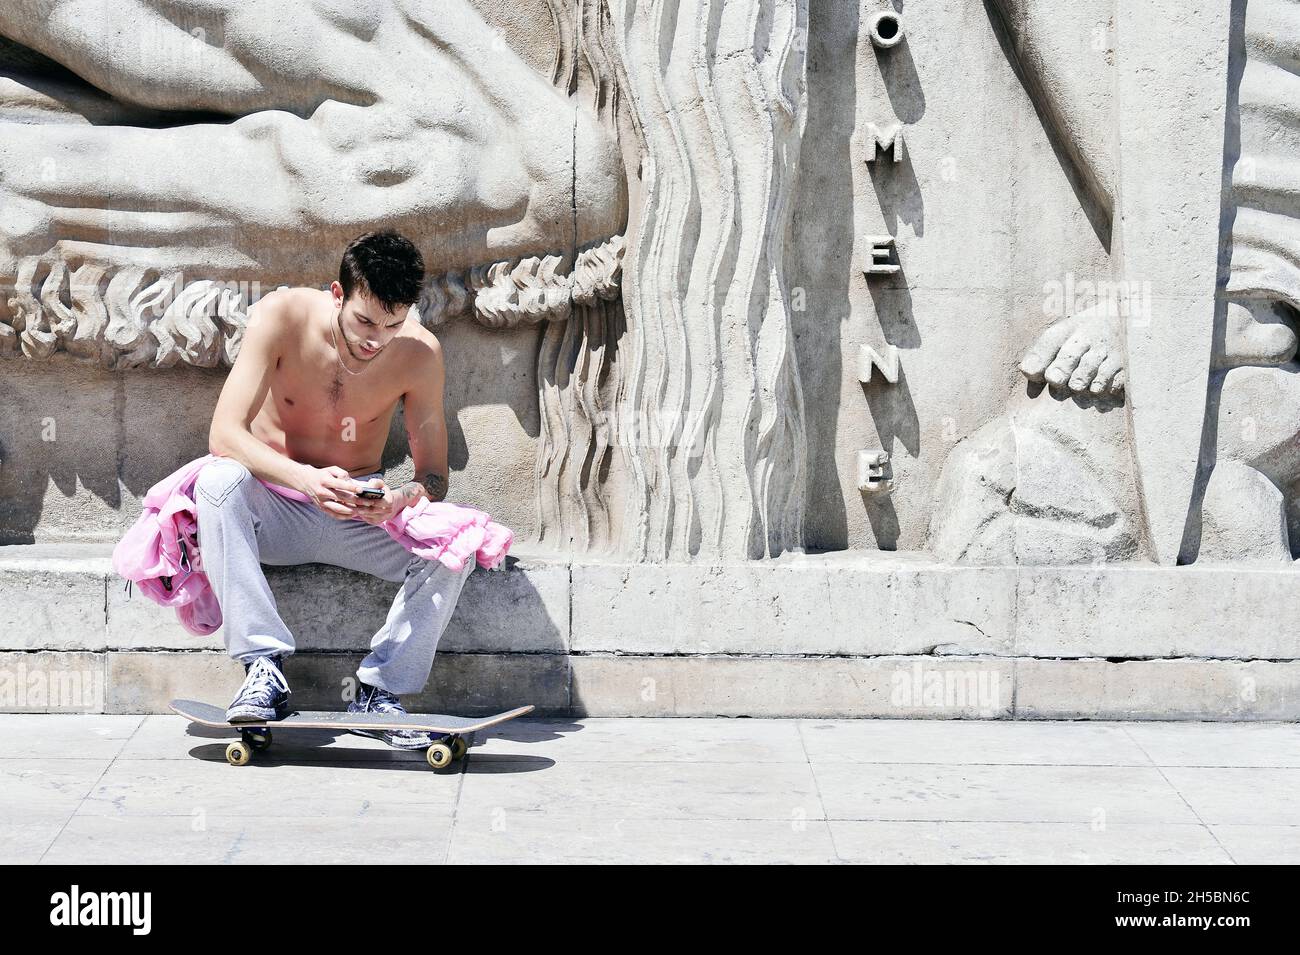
x=362, y=323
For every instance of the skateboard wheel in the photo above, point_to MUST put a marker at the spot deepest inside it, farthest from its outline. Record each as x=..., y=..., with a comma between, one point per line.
x=238, y=753
x=258, y=739
x=439, y=755
x=458, y=747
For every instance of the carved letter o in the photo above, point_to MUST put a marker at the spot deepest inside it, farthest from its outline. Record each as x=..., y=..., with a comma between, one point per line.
x=886, y=29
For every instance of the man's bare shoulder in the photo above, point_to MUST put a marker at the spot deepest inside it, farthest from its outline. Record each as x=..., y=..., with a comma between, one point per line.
x=286, y=310
x=421, y=356
x=423, y=347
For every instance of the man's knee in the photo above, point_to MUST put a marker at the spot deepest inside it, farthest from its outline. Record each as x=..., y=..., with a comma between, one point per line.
x=219, y=479
x=433, y=566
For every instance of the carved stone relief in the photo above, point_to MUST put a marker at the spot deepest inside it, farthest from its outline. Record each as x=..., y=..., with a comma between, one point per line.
x=626, y=187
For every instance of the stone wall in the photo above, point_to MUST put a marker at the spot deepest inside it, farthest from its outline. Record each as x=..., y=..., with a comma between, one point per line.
x=1000, y=289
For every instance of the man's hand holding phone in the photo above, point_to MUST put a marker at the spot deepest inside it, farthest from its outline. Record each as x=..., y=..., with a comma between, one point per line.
x=342, y=496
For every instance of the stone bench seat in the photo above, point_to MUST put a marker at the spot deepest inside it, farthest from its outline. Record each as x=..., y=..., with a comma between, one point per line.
x=846, y=634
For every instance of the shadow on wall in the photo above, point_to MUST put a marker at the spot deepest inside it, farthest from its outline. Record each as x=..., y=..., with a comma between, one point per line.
x=333, y=609
x=822, y=238
x=73, y=436
x=898, y=192
x=1099, y=216
x=1228, y=214
x=826, y=233
x=66, y=451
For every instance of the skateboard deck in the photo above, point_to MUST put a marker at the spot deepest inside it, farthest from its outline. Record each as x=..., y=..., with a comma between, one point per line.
x=257, y=736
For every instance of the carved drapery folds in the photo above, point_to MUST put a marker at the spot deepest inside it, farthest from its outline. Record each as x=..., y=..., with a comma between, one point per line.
x=710, y=410
x=672, y=422
x=643, y=452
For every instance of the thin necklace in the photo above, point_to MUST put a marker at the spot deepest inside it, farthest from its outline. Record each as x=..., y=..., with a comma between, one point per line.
x=334, y=339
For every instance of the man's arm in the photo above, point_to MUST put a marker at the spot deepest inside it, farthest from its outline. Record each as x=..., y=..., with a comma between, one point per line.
x=426, y=430
x=230, y=434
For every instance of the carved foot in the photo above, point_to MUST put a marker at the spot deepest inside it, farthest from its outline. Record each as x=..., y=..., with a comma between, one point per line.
x=1082, y=353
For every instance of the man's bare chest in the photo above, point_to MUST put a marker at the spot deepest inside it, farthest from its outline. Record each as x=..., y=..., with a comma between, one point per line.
x=313, y=396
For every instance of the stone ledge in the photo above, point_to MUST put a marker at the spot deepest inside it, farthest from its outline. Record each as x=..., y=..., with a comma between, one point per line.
x=847, y=606
x=67, y=597
x=935, y=688
x=951, y=687
x=469, y=683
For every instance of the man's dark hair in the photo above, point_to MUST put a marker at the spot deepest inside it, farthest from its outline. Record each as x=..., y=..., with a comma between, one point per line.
x=385, y=265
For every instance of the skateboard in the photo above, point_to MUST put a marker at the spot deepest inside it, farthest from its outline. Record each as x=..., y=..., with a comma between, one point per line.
x=255, y=737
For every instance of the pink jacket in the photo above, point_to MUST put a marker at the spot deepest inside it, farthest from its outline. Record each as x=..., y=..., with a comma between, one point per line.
x=160, y=552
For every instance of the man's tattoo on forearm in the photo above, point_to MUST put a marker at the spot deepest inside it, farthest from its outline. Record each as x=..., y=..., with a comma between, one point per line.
x=435, y=485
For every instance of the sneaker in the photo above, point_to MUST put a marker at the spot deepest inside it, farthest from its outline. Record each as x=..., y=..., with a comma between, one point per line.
x=265, y=694
x=374, y=699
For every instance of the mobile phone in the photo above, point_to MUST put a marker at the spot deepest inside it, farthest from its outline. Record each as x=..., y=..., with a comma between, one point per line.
x=372, y=493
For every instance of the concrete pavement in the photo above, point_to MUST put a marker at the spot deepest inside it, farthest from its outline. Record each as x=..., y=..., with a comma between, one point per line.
x=125, y=789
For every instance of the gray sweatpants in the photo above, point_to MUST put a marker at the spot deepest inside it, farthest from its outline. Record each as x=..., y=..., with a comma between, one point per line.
x=243, y=523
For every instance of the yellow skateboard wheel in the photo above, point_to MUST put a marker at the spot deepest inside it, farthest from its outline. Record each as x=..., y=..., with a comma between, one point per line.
x=439, y=755
x=238, y=753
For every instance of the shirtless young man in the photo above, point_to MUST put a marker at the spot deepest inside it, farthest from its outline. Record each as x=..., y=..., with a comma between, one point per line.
x=308, y=406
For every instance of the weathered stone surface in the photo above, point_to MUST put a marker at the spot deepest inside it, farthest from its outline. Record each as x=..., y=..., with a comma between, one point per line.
x=833, y=605
x=658, y=250
x=1128, y=795
x=512, y=610
x=651, y=790
x=52, y=605
x=933, y=688
x=467, y=683
x=520, y=608
x=800, y=604
x=1157, y=690
x=1142, y=611
x=51, y=681
x=591, y=160
x=891, y=687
